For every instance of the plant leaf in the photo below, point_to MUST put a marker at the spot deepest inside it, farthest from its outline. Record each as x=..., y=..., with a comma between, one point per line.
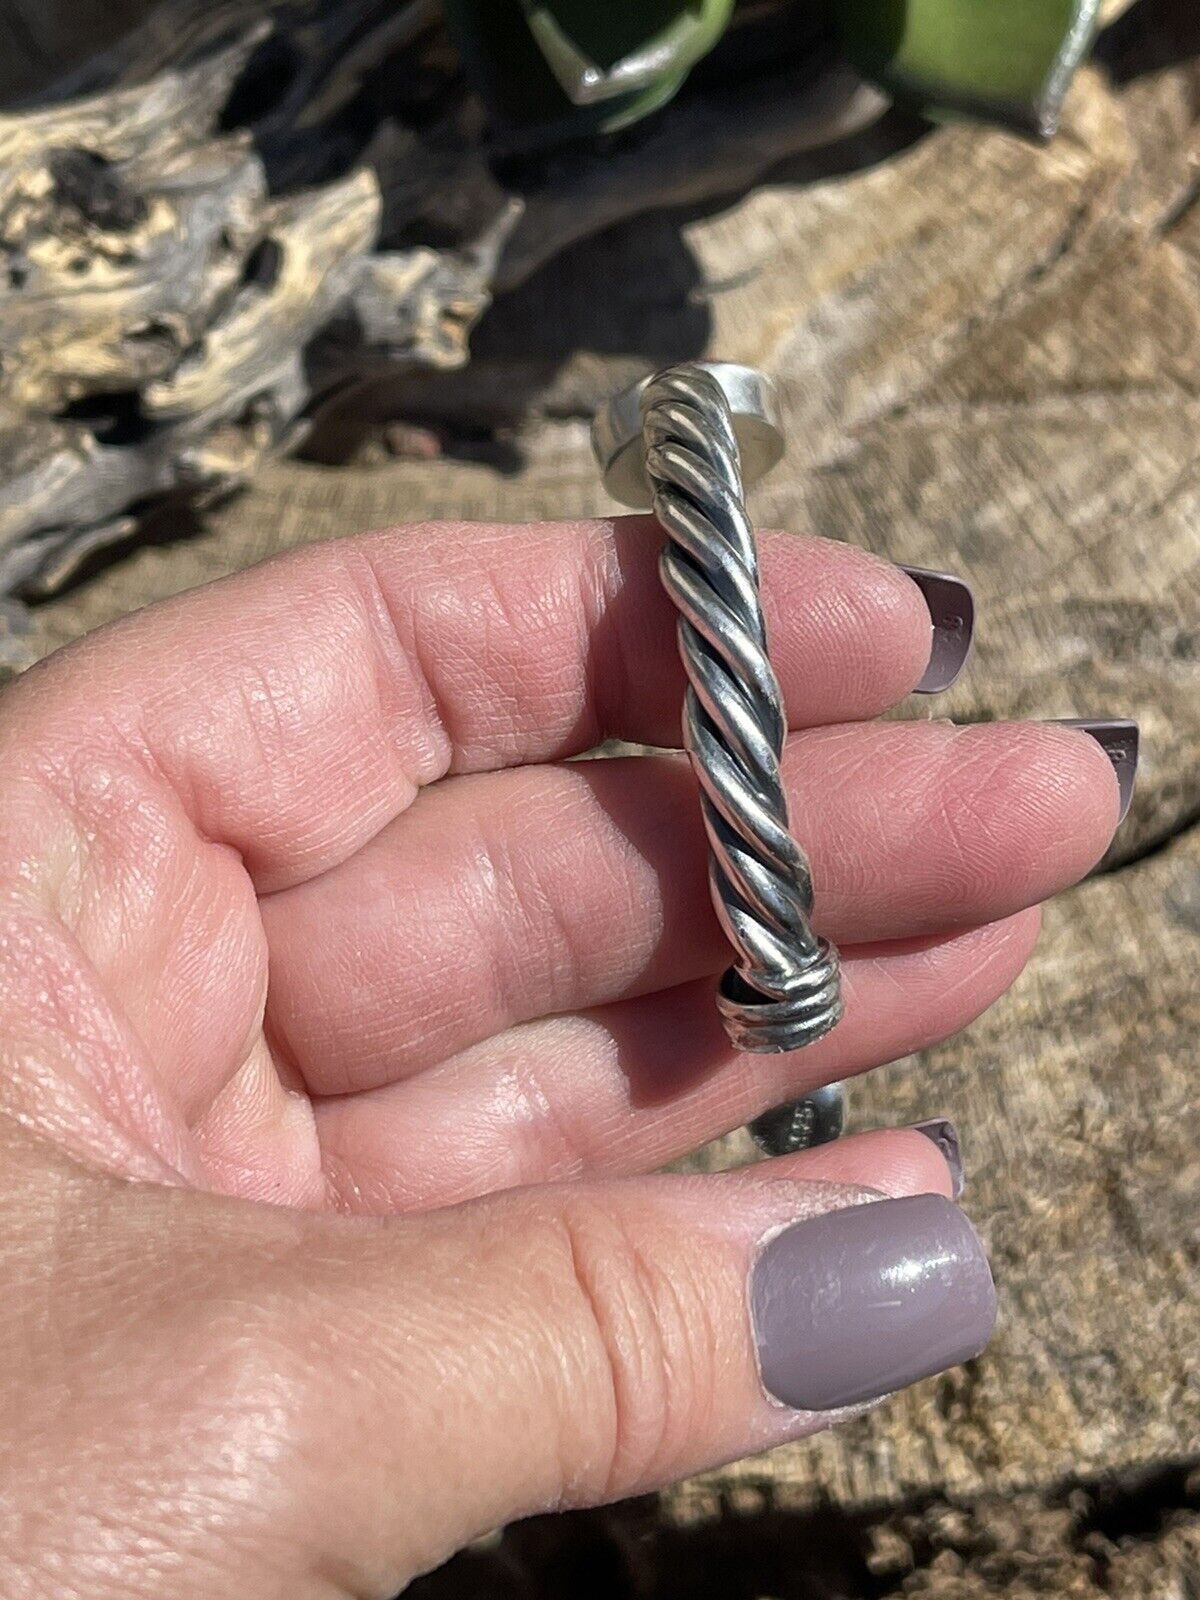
x=570, y=67
x=1005, y=61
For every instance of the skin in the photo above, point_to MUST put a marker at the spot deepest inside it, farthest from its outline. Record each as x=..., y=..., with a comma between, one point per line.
x=343, y=1020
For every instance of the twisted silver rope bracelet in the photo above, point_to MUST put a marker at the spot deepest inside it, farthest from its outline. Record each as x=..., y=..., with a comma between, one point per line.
x=685, y=441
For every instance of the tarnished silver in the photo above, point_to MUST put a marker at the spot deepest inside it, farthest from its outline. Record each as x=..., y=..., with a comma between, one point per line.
x=817, y=1119
x=686, y=441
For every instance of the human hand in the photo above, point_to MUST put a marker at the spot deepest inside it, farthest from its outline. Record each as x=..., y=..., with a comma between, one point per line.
x=303, y=903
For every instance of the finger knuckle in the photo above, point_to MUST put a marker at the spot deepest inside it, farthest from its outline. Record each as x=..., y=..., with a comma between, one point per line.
x=650, y=1337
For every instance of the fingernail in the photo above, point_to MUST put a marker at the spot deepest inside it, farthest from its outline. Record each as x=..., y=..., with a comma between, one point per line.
x=855, y=1304
x=1119, y=738
x=945, y=1135
x=952, y=612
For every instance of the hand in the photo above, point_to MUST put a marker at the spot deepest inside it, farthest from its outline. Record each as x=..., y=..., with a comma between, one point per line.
x=303, y=903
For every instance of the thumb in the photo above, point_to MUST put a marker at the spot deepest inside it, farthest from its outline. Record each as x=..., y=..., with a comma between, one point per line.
x=568, y=1345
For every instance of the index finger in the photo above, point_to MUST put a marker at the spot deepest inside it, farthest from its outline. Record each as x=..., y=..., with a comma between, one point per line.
x=297, y=708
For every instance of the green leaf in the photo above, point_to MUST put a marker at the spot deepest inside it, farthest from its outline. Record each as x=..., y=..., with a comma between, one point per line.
x=569, y=67
x=1005, y=61
x=600, y=52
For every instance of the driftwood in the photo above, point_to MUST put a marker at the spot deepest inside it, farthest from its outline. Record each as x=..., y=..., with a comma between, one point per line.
x=243, y=214
x=159, y=306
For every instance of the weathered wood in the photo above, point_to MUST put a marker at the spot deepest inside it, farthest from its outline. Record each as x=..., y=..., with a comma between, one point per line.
x=184, y=300
x=157, y=305
x=315, y=250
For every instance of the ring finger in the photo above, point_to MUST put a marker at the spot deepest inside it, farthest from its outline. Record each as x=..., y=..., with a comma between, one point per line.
x=501, y=899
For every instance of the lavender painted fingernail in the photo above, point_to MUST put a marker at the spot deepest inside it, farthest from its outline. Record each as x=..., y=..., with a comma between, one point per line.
x=1119, y=738
x=945, y=1135
x=952, y=612
x=852, y=1305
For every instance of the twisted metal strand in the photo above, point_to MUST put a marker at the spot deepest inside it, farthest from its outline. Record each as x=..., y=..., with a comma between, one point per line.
x=783, y=990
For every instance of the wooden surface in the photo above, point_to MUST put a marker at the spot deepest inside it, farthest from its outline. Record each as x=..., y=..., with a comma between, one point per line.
x=989, y=356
